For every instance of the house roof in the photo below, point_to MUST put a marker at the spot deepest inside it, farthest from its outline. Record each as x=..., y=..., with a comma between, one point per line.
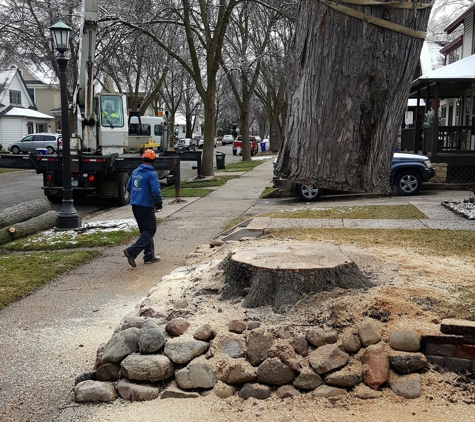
x=6, y=77
x=452, y=79
x=24, y=112
x=431, y=58
x=457, y=22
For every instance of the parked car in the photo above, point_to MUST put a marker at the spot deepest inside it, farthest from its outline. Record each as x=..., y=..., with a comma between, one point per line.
x=185, y=144
x=407, y=173
x=52, y=142
x=227, y=139
x=201, y=142
x=253, y=144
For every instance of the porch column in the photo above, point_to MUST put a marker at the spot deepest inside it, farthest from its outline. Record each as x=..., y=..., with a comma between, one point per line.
x=435, y=121
x=417, y=125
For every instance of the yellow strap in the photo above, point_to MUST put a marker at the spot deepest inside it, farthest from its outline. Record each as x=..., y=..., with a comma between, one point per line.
x=374, y=20
x=394, y=4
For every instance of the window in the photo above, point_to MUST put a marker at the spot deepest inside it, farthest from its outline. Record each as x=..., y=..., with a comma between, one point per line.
x=31, y=93
x=15, y=97
x=41, y=127
x=112, y=114
x=157, y=130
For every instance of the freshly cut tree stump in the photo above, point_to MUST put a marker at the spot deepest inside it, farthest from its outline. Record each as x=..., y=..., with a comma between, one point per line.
x=278, y=275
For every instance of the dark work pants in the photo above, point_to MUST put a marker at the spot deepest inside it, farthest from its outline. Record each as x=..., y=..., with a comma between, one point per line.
x=147, y=223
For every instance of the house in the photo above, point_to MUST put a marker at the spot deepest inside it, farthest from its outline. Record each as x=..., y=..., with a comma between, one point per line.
x=46, y=96
x=18, y=113
x=449, y=139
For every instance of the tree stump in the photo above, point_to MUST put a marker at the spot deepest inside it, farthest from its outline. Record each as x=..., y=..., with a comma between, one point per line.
x=278, y=275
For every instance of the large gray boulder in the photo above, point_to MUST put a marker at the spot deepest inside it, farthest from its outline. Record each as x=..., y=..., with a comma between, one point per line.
x=137, y=392
x=147, y=367
x=350, y=376
x=407, y=386
x=257, y=391
x=307, y=380
x=94, y=391
x=197, y=374
x=121, y=345
x=369, y=333
x=183, y=349
x=274, y=371
x=151, y=338
x=319, y=336
x=327, y=358
x=406, y=362
x=405, y=341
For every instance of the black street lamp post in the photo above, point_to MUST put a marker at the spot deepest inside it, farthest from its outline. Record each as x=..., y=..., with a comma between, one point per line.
x=67, y=218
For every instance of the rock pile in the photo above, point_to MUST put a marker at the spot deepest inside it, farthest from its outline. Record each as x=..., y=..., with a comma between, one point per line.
x=145, y=360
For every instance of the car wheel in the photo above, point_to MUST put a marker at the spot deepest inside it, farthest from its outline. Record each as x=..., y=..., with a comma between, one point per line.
x=50, y=150
x=408, y=182
x=308, y=192
x=16, y=150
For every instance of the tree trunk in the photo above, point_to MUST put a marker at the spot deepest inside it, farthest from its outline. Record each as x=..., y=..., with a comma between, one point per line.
x=33, y=225
x=278, y=275
x=23, y=211
x=347, y=89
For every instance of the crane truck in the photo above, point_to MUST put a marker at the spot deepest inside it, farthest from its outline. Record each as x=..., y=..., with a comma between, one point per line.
x=106, y=146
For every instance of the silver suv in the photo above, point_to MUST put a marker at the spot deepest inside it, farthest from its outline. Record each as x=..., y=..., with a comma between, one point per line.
x=51, y=142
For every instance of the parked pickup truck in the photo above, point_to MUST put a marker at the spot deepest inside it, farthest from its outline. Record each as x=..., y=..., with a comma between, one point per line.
x=238, y=144
x=408, y=172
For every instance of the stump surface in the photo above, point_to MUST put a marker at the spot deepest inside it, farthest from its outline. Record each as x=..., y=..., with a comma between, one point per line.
x=278, y=275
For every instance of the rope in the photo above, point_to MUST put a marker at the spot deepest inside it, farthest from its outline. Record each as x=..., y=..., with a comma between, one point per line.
x=378, y=21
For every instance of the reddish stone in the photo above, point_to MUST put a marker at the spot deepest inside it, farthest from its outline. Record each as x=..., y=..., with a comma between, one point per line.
x=300, y=345
x=376, y=366
x=236, y=326
x=465, y=351
x=291, y=361
x=177, y=326
x=204, y=332
x=148, y=312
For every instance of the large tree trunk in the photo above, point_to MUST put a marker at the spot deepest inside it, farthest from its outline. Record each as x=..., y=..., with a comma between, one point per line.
x=33, y=225
x=278, y=275
x=23, y=211
x=348, y=86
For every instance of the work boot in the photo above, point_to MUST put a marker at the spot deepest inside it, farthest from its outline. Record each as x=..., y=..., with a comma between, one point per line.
x=130, y=258
x=154, y=259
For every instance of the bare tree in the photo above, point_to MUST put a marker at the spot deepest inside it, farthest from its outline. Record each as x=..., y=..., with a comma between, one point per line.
x=348, y=85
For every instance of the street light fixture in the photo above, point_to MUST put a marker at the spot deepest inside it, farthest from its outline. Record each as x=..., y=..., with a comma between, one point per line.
x=67, y=218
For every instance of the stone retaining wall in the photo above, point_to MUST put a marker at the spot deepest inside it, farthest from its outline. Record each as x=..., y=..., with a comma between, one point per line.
x=145, y=360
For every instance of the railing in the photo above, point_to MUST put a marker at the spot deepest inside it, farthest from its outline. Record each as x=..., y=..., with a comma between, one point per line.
x=450, y=139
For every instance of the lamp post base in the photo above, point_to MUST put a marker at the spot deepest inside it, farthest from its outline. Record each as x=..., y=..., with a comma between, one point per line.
x=68, y=218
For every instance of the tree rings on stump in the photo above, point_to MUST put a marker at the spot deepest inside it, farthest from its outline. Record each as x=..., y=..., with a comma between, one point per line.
x=278, y=275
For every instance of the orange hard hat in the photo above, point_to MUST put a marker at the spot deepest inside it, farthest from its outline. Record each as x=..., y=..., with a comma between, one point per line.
x=150, y=154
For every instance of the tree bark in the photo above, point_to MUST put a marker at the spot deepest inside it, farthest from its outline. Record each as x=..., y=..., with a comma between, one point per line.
x=33, y=225
x=23, y=211
x=278, y=275
x=347, y=89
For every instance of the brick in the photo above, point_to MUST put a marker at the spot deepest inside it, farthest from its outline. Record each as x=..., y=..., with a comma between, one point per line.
x=469, y=339
x=444, y=339
x=437, y=360
x=465, y=351
x=440, y=349
x=457, y=326
x=458, y=364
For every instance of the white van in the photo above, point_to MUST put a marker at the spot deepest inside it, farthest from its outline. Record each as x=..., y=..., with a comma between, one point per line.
x=152, y=126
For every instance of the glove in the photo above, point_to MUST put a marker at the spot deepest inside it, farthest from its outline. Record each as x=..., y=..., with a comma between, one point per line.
x=158, y=206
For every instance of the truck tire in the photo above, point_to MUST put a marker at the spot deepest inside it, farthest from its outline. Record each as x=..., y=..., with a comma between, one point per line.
x=408, y=182
x=123, y=197
x=308, y=192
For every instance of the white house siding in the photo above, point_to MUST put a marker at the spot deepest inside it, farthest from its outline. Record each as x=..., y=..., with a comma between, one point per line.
x=17, y=86
x=12, y=129
x=467, y=36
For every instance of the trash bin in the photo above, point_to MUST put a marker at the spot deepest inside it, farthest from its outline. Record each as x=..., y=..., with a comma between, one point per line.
x=263, y=146
x=220, y=160
x=41, y=151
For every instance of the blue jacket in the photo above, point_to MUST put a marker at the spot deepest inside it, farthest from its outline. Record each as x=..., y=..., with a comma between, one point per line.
x=144, y=187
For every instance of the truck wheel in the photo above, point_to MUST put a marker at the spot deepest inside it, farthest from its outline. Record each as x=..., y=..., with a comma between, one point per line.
x=308, y=192
x=408, y=182
x=123, y=197
x=54, y=199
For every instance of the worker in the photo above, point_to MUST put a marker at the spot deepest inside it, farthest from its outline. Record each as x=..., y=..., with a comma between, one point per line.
x=109, y=113
x=145, y=198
